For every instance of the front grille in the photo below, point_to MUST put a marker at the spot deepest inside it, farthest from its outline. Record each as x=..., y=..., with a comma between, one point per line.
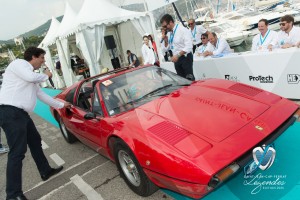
x=169, y=132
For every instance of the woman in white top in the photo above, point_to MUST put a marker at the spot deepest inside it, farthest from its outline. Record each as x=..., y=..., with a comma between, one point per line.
x=148, y=52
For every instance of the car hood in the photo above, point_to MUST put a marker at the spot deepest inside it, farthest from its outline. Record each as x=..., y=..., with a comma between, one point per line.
x=207, y=112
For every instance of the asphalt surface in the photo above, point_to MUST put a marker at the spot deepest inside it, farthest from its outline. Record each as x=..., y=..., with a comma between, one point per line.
x=86, y=174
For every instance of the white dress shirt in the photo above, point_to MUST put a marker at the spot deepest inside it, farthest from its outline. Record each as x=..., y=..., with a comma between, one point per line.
x=20, y=87
x=182, y=40
x=263, y=42
x=289, y=38
x=221, y=47
x=196, y=33
x=148, y=54
x=207, y=47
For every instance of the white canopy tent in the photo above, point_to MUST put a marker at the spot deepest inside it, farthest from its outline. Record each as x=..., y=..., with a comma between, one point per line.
x=58, y=82
x=98, y=18
x=63, y=45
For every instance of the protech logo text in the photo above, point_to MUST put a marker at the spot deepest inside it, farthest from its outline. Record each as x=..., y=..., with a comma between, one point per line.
x=261, y=79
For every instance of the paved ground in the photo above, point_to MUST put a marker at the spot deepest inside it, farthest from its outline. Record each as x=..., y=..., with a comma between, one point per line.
x=86, y=174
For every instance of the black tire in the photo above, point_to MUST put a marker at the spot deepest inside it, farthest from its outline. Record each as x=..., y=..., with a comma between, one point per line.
x=136, y=179
x=69, y=137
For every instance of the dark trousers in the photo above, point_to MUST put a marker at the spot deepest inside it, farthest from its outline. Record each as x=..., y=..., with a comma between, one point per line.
x=20, y=131
x=184, y=67
x=116, y=63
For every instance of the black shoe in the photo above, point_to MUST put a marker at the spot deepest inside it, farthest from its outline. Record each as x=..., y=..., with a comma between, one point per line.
x=22, y=197
x=52, y=172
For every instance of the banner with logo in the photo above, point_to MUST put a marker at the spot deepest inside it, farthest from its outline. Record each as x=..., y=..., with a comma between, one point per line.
x=276, y=71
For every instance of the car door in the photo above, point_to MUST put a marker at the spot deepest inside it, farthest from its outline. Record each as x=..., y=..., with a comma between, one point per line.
x=100, y=127
x=94, y=127
x=81, y=100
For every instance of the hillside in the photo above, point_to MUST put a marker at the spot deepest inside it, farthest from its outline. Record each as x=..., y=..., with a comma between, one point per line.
x=42, y=29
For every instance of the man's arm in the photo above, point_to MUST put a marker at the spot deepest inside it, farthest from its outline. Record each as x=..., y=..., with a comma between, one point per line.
x=51, y=101
x=221, y=47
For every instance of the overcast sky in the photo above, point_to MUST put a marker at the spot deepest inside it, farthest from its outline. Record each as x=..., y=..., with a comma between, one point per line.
x=20, y=16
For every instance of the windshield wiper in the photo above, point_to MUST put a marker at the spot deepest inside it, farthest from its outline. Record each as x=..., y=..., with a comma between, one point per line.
x=157, y=90
x=150, y=93
x=187, y=84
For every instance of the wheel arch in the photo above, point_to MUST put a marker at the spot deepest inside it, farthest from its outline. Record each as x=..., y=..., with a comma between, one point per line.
x=55, y=114
x=111, y=141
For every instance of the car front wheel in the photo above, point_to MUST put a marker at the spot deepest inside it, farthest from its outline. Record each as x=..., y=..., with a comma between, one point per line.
x=69, y=137
x=131, y=171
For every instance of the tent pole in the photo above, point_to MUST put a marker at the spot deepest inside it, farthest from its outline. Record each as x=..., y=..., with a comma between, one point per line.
x=145, y=6
x=157, y=41
x=119, y=44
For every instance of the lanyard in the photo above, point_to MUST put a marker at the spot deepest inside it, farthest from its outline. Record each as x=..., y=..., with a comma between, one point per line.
x=217, y=44
x=203, y=49
x=172, y=35
x=194, y=32
x=263, y=40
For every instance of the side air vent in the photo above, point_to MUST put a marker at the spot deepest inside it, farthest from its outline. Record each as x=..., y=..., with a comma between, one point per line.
x=246, y=89
x=169, y=132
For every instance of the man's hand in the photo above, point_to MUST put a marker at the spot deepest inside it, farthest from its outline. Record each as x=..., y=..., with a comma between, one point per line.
x=207, y=53
x=174, y=59
x=270, y=47
x=48, y=73
x=285, y=46
x=67, y=105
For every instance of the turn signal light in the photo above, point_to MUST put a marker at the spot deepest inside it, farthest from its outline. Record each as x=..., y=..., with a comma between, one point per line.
x=297, y=114
x=223, y=175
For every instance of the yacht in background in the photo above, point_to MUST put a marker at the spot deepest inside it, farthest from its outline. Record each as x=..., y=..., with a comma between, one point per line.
x=233, y=35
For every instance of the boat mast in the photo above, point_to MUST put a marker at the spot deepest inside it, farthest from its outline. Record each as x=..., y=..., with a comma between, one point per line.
x=178, y=15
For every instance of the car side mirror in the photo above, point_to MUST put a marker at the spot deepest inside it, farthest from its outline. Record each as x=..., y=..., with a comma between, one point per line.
x=89, y=116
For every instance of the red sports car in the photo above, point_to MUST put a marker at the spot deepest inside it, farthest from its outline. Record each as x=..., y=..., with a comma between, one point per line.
x=165, y=131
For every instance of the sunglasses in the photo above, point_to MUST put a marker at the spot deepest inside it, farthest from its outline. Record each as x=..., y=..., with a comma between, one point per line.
x=203, y=38
x=190, y=24
x=282, y=24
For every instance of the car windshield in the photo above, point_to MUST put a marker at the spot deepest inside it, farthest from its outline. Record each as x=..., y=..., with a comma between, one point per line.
x=133, y=89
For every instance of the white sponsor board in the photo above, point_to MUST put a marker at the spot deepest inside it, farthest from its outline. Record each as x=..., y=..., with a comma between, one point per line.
x=276, y=71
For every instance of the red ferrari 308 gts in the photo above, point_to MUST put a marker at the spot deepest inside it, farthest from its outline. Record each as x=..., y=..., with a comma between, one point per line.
x=164, y=131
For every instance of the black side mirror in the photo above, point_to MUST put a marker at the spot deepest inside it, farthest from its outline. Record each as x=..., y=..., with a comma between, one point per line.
x=89, y=116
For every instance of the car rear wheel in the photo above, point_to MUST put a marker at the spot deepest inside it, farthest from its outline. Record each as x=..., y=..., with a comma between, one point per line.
x=69, y=137
x=131, y=171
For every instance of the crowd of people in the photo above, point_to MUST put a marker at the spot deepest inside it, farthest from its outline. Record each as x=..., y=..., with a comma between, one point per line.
x=179, y=44
x=288, y=36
